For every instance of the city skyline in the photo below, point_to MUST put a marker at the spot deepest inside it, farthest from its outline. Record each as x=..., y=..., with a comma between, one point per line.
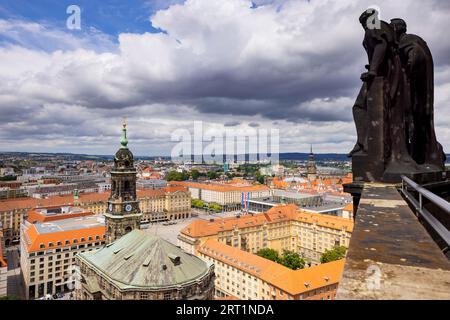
x=170, y=63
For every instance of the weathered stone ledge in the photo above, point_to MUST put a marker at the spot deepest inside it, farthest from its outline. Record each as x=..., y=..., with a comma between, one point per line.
x=391, y=256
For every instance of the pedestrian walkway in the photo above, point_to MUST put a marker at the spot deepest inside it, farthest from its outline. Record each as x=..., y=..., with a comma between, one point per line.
x=15, y=282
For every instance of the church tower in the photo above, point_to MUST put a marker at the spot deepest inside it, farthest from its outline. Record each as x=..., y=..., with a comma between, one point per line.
x=311, y=166
x=123, y=214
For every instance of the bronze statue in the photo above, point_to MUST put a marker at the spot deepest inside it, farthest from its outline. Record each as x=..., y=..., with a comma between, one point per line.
x=417, y=62
x=393, y=112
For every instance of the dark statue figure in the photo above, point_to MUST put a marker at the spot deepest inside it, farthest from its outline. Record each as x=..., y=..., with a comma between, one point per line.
x=418, y=67
x=393, y=112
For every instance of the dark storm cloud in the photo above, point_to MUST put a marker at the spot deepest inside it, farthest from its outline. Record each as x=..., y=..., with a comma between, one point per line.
x=231, y=124
x=289, y=63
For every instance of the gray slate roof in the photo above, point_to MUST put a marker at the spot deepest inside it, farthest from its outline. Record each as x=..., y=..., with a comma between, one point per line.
x=144, y=261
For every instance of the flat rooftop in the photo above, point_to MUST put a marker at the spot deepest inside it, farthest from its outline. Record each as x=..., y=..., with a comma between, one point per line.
x=325, y=207
x=292, y=194
x=59, y=210
x=70, y=224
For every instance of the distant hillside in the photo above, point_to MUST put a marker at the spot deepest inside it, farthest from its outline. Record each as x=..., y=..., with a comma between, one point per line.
x=73, y=156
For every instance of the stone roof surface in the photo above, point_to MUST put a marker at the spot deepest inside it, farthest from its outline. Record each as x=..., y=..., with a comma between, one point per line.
x=144, y=261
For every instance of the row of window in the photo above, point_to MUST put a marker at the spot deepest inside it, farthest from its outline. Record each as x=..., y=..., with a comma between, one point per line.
x=67, y=242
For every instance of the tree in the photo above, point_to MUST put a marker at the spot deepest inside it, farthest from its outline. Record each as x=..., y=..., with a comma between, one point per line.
x=215, y=207
x=197, y=203
x=177, y=176
x=334, y=254
x=269, y=254
x=288, y=259
x=195, y=174
x=292, y=260
x=211, y=175
x=259, y=178
x=8, y=178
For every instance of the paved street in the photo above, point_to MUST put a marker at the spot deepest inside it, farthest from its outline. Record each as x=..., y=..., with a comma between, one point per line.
x=15, y=283
x=171, y=232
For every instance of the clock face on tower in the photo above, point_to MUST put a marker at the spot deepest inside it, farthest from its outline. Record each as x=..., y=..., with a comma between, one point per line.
x=128, y=208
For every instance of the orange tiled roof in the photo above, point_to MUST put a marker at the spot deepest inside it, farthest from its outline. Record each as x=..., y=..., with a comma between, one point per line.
x=34, y=239
x=220, y=187
x=36, y=216
x=28, y=203
x=202, y=228
x=159, y=192
x=292, y=281
x=349, y=207
x=84, y=198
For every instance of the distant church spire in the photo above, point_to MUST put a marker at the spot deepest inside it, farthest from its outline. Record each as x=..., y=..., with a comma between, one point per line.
x=123, y=138
x=311, y=166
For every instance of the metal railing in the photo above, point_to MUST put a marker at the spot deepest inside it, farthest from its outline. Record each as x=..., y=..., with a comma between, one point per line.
x=422, y=212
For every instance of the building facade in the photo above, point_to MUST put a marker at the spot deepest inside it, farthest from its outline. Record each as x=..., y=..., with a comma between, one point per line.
x=49, y=243
x=168, y=203
x=142, y=266
x=280, y=228
x=247, y=276
x=226, y=195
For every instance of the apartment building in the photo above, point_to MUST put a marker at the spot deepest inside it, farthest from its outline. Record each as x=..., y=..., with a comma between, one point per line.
x=282, y=227
x=14, y=211
x=169, y=203
x=49, y=242
x=229, y=196
x=249, y=277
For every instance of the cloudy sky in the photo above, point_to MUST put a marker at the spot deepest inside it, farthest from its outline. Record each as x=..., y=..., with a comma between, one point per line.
x=287, y=65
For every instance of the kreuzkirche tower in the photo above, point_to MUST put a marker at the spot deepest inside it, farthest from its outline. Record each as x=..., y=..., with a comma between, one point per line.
x=123, y=214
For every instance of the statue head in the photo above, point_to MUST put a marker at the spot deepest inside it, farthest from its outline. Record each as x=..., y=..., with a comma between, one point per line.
x=399, y=26
x=369, y=19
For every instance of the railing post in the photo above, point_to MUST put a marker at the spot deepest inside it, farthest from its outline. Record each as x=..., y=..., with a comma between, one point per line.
x=420, y=202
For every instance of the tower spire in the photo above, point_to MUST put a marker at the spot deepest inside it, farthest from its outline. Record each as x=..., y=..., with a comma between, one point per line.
x=123, y=138
x=311, y=149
